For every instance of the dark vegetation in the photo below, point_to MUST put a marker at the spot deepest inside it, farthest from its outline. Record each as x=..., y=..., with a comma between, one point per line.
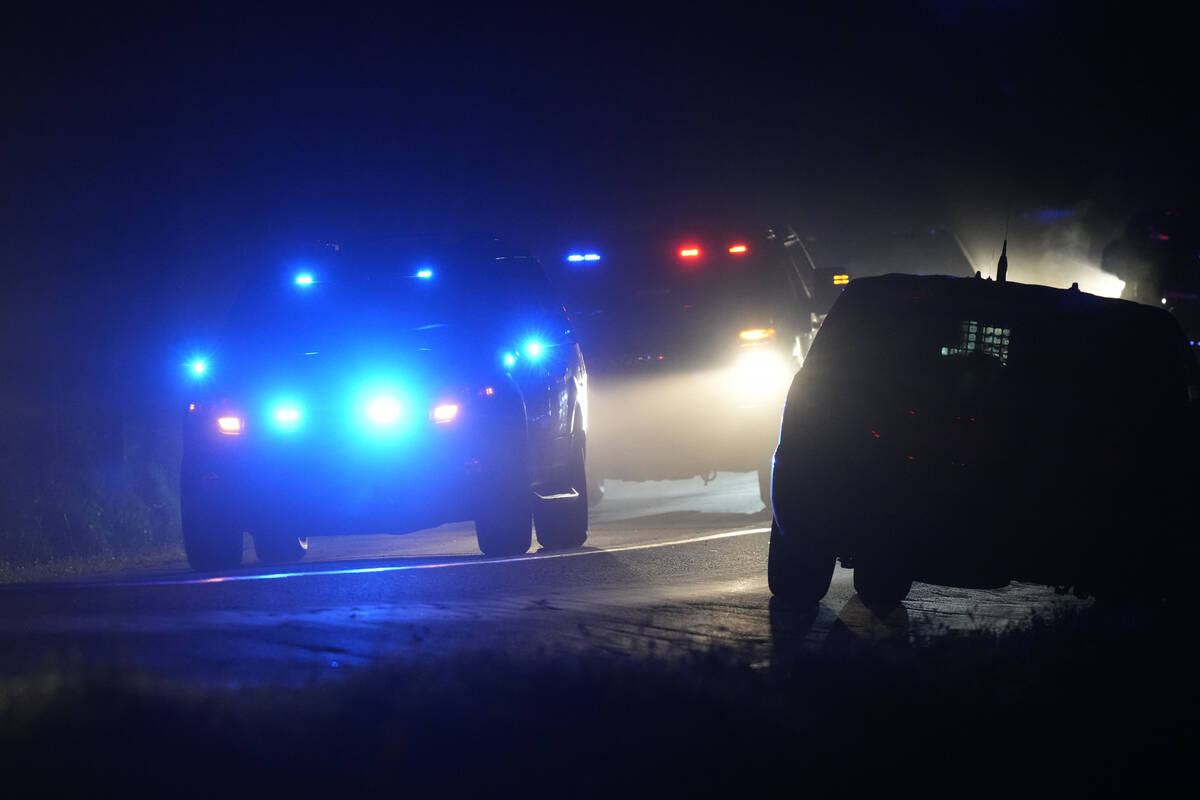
x=1093, y=702
x=89, y=427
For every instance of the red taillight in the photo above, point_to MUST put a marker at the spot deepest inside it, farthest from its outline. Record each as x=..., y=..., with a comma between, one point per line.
x=738, y=249
x=689, y=252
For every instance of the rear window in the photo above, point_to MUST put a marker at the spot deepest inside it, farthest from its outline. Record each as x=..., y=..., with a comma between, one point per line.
x=922, y=345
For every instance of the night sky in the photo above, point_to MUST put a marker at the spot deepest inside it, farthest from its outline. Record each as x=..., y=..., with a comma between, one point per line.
x=156, y=148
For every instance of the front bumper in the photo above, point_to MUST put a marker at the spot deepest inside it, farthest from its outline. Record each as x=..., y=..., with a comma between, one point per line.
x=343, y=485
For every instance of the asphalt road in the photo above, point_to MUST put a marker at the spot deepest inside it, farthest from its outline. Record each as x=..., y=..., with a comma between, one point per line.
x=669, y=566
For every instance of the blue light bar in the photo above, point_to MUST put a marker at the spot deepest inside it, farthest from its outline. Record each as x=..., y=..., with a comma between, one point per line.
x=534, y=349
x=509, y=359
x=198, y=367
x=591, y=256
x=425, y=273
x=577, y=257
x=304, y=279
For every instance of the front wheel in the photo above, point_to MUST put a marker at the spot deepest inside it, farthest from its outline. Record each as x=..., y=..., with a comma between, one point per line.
x=503, y=511
x=798, y=570
x=212, y=540
x=505, y=529
x=211, y=543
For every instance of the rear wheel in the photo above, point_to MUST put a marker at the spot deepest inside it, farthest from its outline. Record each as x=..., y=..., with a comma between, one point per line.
x=562, y=521
x=275, y=548
x=880, y=586
x=798, y=570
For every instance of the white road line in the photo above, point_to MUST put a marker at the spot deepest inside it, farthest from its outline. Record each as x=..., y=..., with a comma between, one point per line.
x=436, y=565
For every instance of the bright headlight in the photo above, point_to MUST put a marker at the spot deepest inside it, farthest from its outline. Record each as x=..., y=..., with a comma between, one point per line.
x=383, y=410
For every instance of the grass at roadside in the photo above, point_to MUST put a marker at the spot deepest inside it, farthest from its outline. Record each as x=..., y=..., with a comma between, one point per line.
x=1090, y=702
x=80, y=566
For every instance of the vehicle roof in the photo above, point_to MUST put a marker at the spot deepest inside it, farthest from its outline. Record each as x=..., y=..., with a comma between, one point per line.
x=989, y=295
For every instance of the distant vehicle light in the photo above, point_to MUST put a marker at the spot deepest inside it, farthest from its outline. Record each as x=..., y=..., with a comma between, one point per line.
x=689, y=252
x=444, y=412
x=757, y=334
x=488, y=391
x=304, y=279
x=534, y=349
x=383, y=410
x=1163, y=237
x=509, y=360
x=229, y=425
x=841, y=280
x=739, y=248
x=425, y=273
x=1164, y=301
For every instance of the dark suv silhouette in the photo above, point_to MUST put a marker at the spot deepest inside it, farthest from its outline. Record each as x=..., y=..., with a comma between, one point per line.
x=967, y=432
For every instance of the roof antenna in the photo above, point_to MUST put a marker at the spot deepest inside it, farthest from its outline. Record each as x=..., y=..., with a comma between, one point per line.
x=1002, y=264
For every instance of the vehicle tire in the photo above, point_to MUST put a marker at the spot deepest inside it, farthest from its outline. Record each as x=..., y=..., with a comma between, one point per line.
x=504, y=514
x=505, y=530
x=562, y=522
x=274, y=548
x=798, y=570
x=880, y=586
x=764, y=485
x=211, y=542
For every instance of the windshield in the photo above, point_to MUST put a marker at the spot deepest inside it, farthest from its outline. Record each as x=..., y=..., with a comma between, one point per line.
x=344, y=296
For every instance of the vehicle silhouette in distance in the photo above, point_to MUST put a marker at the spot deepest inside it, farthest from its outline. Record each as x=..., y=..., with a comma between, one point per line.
x=971, y=432
x=691, y=337
x=387, y=388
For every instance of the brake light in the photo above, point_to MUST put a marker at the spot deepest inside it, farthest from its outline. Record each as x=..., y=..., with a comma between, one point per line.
x=757, y=335
x=231, y=426
x=841, y=280
x=689, y=252
x=738, y=249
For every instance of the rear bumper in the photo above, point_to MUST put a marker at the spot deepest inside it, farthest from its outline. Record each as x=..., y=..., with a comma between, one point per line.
x=1058, y=525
